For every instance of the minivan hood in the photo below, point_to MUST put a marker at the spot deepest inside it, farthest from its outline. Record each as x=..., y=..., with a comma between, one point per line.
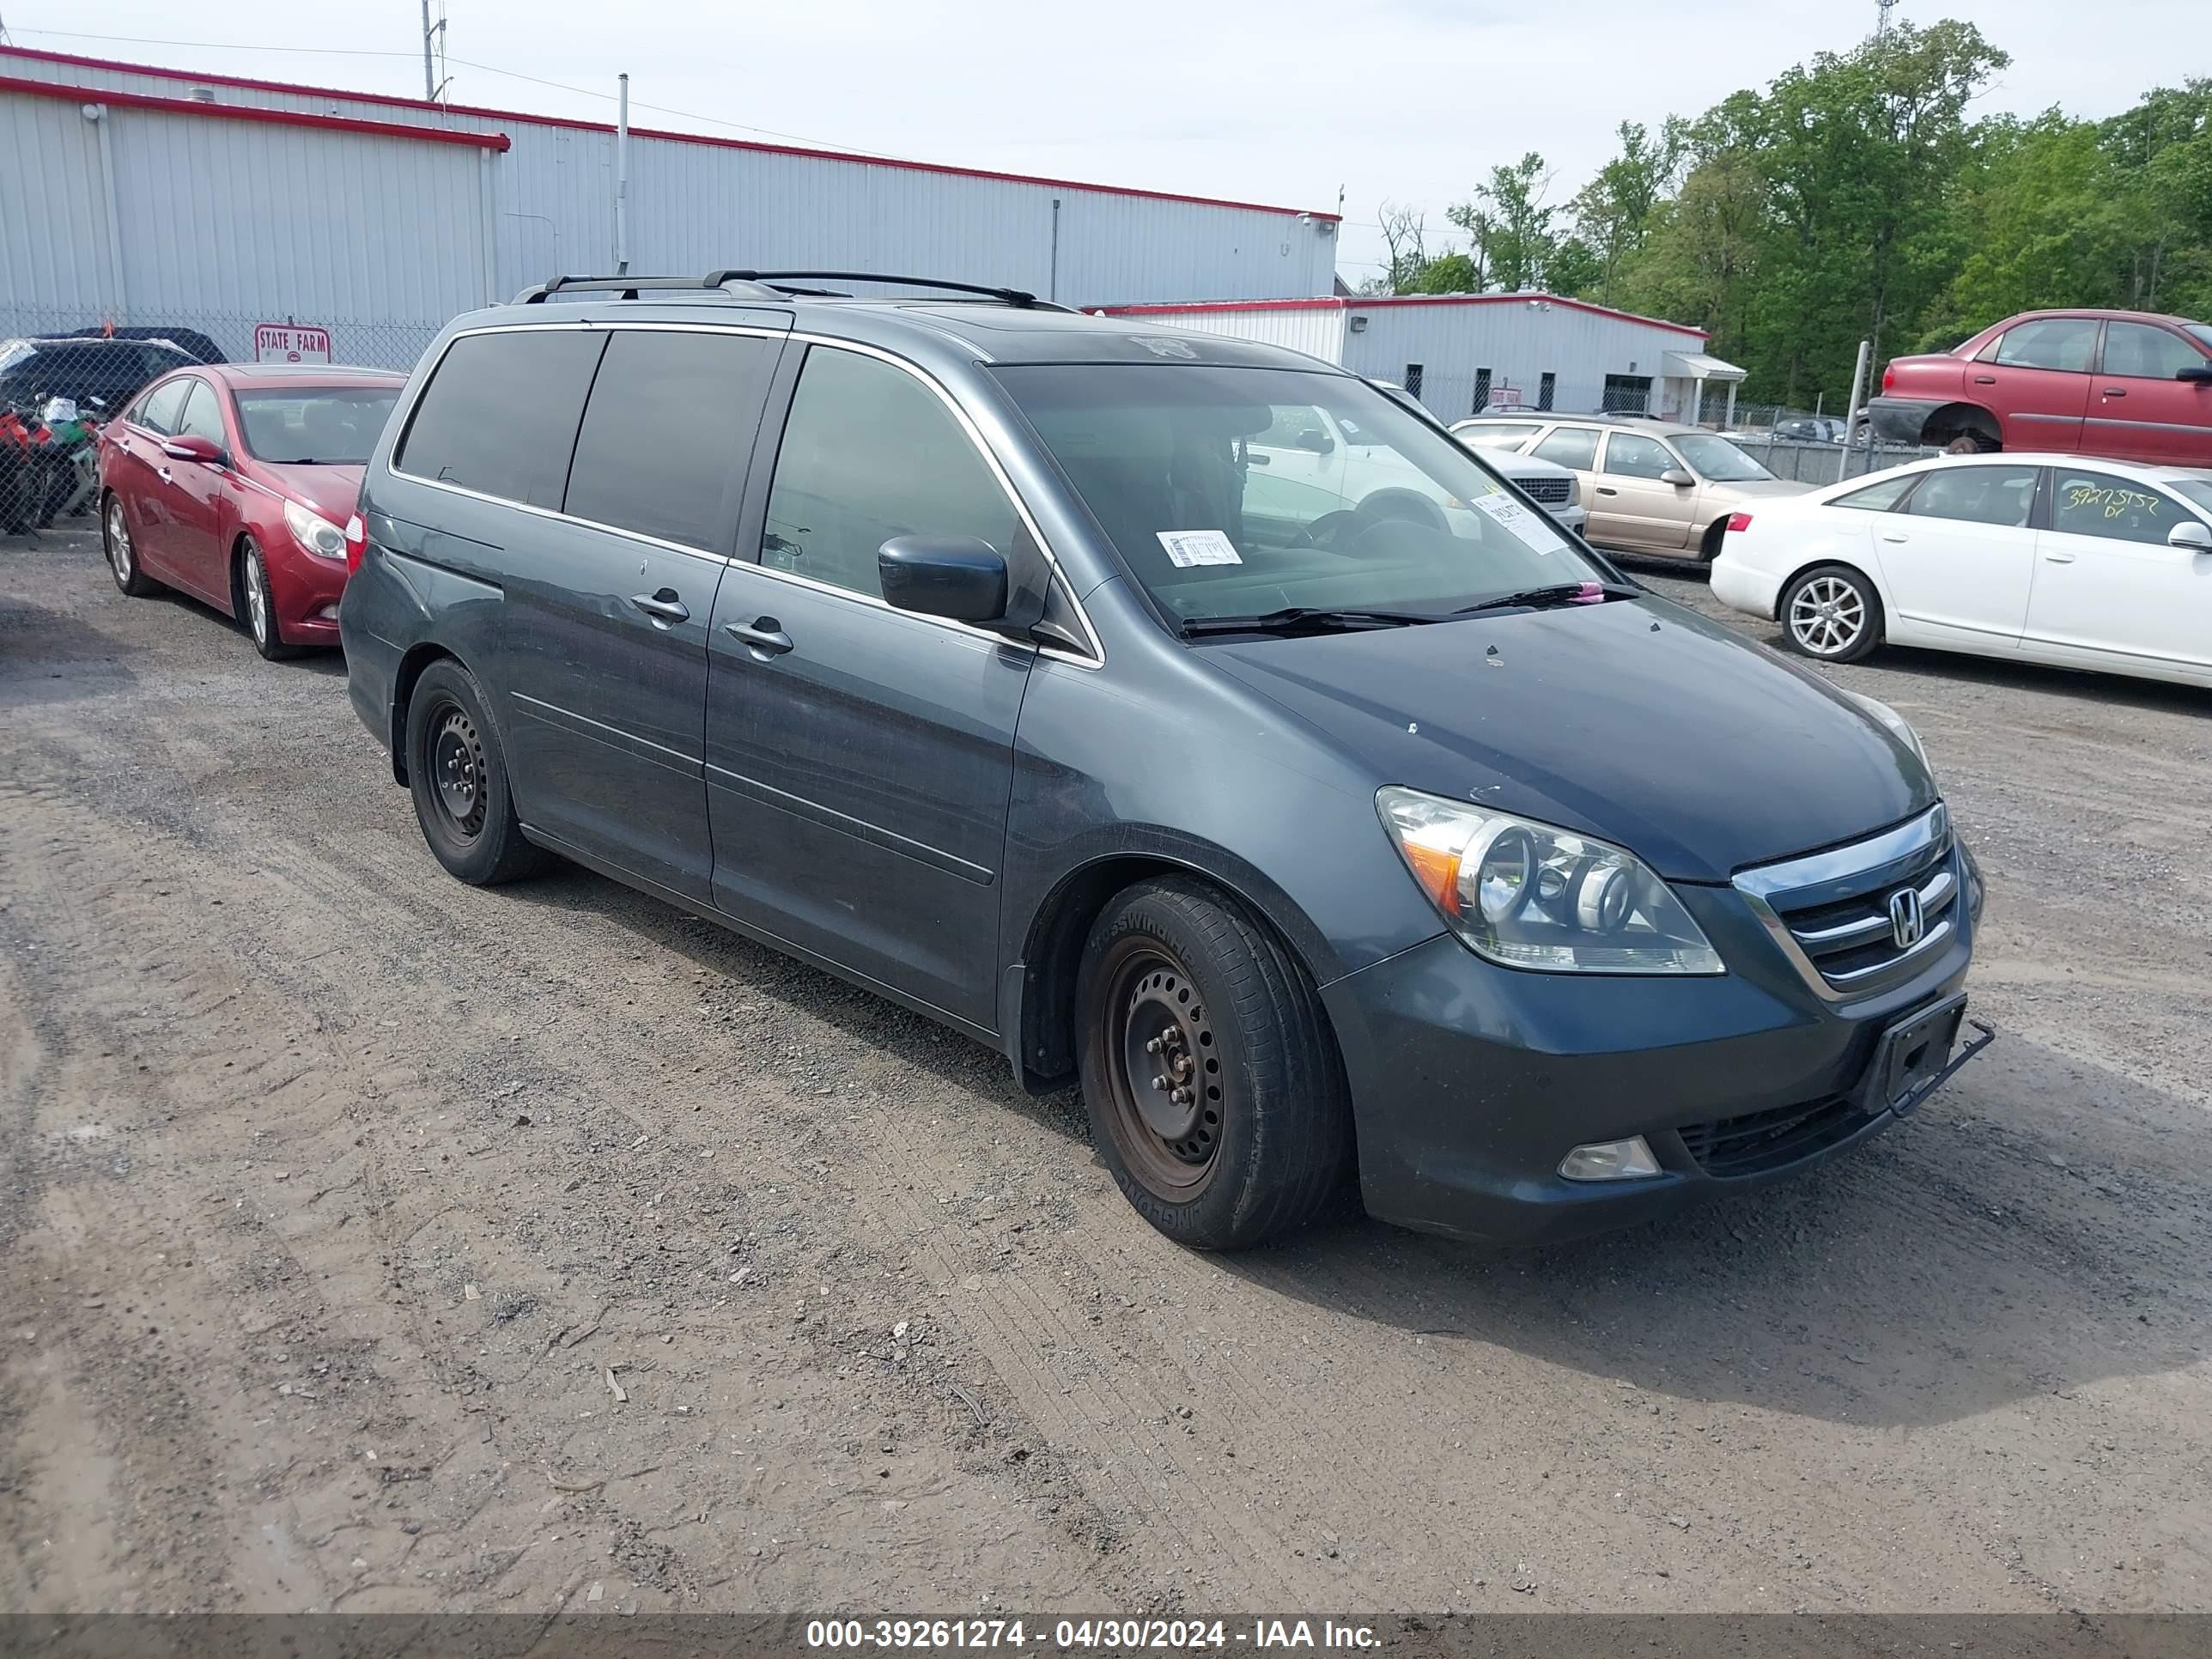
x=1635, y=720
x=332, y=491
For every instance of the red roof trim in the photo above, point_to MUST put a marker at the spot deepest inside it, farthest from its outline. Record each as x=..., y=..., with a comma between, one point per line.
x=283, y=117
x=213, y=79
x=1339, y=302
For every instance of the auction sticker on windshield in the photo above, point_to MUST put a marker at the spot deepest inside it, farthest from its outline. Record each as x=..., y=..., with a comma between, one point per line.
x=1187, y=548
x=1530, y=527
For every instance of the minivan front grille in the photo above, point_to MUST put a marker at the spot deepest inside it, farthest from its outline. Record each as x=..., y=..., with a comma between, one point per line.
x=1853, y=918
x=1772, y=1140
x=1547, y=491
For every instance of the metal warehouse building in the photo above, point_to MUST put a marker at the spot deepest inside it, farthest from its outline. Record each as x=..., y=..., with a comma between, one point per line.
x=141, y=196
x=1457, y=352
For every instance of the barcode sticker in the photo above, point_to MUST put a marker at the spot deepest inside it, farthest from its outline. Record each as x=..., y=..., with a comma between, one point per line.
x=1187, y=548
x=1533, y=528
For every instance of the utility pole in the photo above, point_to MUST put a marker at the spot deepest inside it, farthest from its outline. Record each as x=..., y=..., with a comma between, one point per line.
x=431, y=31
x=621, y=180
x=1881, y=10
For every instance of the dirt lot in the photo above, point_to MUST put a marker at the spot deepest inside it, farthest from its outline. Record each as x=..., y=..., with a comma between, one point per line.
x=370, y=1241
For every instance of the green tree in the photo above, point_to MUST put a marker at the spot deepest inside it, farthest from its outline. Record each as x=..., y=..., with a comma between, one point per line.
x=1613, y=212
x=1510, y=224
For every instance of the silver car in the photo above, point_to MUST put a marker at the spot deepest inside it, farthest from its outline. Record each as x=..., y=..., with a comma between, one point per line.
x=1650, y=487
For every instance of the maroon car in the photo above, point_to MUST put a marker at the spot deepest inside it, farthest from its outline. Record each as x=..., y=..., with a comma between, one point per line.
x=2126, y=384
x=231, y=482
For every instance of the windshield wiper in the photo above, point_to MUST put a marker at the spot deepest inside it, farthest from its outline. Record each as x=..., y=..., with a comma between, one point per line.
x=1292, y=618
x=1558, y=593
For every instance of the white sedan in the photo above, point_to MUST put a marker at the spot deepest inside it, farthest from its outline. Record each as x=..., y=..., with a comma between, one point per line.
x=2061, y=559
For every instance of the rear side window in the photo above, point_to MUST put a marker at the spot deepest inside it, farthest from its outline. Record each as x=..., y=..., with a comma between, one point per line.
x=501, y=414
x=667, y=432
x=1573, y=447
x=2066, y=342
x=1878, y=497
x=160, y=411
x=869, y=452
x=1977, y=495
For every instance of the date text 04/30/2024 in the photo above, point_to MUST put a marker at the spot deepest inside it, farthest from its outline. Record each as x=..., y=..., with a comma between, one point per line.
x=1082, y=1634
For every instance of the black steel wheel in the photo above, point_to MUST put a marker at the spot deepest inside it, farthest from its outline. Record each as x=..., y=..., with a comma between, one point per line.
x=456, y=772
x=1216, y=1094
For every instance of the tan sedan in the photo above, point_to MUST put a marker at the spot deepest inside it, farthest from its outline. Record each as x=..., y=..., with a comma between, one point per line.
x=1650, y=487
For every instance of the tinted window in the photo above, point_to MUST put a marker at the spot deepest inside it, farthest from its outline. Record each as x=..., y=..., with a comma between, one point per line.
x=1878, y=497
x=1632, y=455
x=1718, y=459
x=667, y=432
x=870, y=453
x=160, y=411
x=2098, y=504
x=2149, y=353
x=1571, y=446
x=1976, y=495
x=2055, y=342
x=203, y=416
x=329, y=425
x=2199, y=490
x=502, y=412
x=1509, y=435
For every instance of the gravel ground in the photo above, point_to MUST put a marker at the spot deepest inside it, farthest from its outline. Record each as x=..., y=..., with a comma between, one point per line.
x=370, y=1241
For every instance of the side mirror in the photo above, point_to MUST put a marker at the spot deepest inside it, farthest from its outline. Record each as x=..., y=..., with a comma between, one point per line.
x=191, y=446
x=2200, y=373
x=1679, y=478
x=2191, y=533
x=1318, y=443
x=960, y=577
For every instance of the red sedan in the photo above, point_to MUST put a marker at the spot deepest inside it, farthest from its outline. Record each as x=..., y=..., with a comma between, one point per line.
x=231, y=482
x=2127, y=384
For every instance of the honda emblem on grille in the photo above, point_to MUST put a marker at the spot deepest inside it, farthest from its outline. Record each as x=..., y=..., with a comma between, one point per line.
x=1907, y=922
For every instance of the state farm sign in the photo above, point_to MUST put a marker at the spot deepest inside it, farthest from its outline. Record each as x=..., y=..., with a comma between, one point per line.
x=291, y=343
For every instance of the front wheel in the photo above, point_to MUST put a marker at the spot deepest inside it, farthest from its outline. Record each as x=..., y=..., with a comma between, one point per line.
x=456, y=772
x=1832, y=612
x=1216, y=1094
x=256, y=604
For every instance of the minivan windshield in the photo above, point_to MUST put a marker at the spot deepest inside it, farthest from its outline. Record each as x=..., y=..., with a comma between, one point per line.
x=1240, y=492
x=1717, y=460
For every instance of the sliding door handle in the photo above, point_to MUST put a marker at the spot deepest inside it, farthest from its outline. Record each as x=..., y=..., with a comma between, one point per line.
x=663, y=607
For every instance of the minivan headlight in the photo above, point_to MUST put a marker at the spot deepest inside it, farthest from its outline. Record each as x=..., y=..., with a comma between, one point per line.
x=315, y=532
x=1530, y=894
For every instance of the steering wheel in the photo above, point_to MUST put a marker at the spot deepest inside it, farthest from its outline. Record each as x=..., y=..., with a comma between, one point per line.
x=1325, y=531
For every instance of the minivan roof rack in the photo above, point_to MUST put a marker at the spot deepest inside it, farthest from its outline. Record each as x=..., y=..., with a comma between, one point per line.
x=1013, y=296
x=732, y=283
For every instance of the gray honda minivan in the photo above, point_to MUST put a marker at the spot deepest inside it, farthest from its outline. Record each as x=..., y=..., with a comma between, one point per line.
x=1024, y=667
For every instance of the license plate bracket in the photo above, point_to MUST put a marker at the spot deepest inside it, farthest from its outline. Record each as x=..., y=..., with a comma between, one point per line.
x=1914, y=1056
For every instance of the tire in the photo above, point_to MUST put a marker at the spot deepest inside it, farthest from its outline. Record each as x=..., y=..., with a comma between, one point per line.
x=1176, y=975
x=1831, y=613
x=1972, y=443
x=122, y=553
x=254, y=602
x=469, y=820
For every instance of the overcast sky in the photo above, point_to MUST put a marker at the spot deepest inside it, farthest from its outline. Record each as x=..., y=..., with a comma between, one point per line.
x=1280, y=102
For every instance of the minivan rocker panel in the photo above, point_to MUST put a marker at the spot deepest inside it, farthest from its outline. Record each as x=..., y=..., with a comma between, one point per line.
x=1220, y=817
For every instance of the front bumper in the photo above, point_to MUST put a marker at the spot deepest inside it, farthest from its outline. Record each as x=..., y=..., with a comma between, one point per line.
x=1471, y=1082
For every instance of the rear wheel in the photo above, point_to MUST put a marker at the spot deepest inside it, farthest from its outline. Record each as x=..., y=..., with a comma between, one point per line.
x=1972, y=443
x=1215, y=1091
x=122, y=553
x=1832, y=612
x=456, y=772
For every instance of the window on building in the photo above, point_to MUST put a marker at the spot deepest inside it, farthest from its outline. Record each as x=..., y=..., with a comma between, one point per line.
x=1413, y=379
x=1544, y=387
x=501, y=411
x=677, y=478
x=869, y=452
x=1627, y=394
x=1482, y=392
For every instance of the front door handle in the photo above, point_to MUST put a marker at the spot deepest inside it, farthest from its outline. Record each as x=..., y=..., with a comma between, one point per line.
x=1607, y=489
x=663, y=606
x=1895, y=536
x=1985, y=380
x=764, y=639
x=162, y=473
x=2115, y=391
x=2055, y=557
